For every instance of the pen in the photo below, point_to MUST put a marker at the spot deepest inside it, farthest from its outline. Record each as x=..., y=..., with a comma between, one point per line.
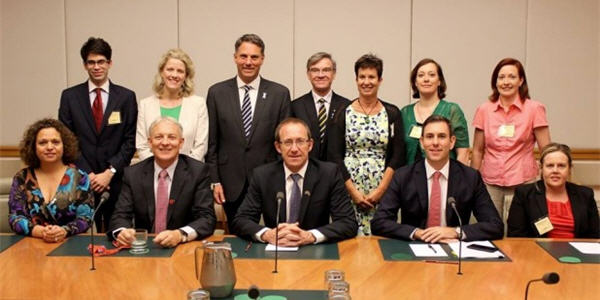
x=432, y=249
x=248, y=246
x=441, y=262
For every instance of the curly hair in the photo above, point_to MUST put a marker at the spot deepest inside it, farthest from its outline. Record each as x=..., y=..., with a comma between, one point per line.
x=188, y=83
x=28, y=143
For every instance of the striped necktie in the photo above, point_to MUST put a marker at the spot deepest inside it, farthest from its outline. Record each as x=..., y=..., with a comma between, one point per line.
x=322, y=119
x=295, y=199
x=247, y=112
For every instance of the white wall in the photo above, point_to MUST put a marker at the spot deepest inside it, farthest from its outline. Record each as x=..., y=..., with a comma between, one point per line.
x=558, y=41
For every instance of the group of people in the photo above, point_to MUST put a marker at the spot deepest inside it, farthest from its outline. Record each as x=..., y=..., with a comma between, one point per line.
x=332, y=168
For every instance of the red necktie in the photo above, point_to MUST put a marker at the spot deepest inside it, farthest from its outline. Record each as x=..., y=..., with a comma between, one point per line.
x=434, y=215
x=162, y=202
x=97, y=109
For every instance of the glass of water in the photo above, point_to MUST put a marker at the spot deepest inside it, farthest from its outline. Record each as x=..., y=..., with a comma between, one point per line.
x=332, y=275
x=139, y=245
x=338, y=288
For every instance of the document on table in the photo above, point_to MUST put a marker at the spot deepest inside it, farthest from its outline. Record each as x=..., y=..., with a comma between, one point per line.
x=472, y=253
x=428, y=250
x=280, y=248
x=586, y=247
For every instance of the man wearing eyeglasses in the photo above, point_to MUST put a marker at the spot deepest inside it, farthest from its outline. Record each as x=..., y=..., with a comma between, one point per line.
x=103, y=116
x=313, y=193
x=318, y=106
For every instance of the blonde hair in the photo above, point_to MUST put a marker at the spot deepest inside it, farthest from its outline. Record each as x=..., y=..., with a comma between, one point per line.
x=188, y=84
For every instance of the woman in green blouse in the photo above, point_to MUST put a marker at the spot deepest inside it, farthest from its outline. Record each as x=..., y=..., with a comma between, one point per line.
x=429, y=86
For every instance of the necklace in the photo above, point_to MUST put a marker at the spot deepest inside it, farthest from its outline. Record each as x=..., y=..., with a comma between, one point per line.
x=367, y=113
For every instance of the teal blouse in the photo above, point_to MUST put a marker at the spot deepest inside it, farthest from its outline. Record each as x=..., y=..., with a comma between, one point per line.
x=446, y=109
x=172, y=112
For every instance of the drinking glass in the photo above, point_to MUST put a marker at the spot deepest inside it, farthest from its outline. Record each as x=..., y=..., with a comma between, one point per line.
x=333, y=274
x=139, y=245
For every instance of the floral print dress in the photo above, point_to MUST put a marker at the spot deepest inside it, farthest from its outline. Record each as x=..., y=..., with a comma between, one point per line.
x=366, y=144
x=71, y=207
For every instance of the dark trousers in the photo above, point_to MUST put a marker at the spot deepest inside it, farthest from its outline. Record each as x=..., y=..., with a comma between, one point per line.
x=231, y=207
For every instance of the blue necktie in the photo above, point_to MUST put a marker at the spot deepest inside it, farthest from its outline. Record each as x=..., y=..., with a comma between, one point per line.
x=295, y=200
x=247, y=112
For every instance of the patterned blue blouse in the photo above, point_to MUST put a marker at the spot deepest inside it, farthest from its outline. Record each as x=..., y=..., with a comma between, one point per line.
x=71, y=207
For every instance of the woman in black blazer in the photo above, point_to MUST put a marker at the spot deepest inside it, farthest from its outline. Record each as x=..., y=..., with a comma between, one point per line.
x=366, y=139
x=553, y=207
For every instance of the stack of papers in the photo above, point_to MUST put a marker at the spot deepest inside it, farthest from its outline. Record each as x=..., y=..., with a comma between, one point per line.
x=471, y=253
x=586, y=247
x=280, y=248
x=428, y=250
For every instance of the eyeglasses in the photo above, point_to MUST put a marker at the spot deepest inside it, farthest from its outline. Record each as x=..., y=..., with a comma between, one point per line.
x=101, y=62
x=317, y=70
x=298, y=142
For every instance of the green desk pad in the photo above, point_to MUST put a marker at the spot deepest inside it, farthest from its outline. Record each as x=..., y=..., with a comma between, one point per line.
x=257, y=251
x=399, y=250
x=283, y=294
x=8, y=240
x=561, y=249
x=77, y=246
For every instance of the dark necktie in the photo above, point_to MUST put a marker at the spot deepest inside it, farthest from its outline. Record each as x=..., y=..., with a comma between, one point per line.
x=97, y=110
x=247, y=112
x=322, y=119
x=295, y=200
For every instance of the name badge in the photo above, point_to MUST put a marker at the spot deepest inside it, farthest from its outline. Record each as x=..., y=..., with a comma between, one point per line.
x=543, y=225
x=416, y=131
x=506, y=130
x=115, y=118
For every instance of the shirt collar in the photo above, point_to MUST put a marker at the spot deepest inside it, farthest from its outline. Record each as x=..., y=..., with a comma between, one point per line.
x=327, y=97
x=302, y=170
x=170, y=169
x=92, y=87
x=254, y=84
x=429, y=170
x=518, y=104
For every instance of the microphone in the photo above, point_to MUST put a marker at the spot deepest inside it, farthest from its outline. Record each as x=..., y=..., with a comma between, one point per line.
x=279, y=196
x=548, y=278
x=253, y=292
x=103, y=199
x=452, y=203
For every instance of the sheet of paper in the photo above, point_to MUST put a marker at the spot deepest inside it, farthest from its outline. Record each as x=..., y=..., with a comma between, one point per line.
x=472, y=253
x=428, y=250
x=586, y=247
x=280, y=248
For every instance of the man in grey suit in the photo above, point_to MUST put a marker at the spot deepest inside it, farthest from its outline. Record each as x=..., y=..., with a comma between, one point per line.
x=243, y=113
x=318, y=106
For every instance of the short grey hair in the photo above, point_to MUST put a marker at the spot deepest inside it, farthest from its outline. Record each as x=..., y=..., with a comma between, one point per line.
x=291, y=120
x=315, y=58
x=165, y=119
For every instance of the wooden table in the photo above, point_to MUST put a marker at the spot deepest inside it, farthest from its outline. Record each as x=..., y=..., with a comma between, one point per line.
x=27, y=273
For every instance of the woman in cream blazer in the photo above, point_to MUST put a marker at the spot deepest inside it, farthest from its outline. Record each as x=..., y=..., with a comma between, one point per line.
x=173, y=97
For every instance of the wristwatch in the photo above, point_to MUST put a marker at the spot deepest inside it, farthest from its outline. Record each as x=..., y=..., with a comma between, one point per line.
x=113, y=170
x=212, y=185
x=183, y=235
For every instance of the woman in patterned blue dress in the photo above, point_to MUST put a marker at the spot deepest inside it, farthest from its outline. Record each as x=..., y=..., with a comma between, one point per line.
x=366, y=140
x=50, y=199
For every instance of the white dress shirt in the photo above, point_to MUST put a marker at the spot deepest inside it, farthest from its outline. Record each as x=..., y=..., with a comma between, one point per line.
x=104, y=93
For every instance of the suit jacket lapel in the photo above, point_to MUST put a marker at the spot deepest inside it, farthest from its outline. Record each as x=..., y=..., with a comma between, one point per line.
x=177, y=184
x=110, y=106
x=421, y=180
x=310, y=180
x=453, y=176
x=279, y=184
x=234, y=104
x=260, y=109
x=86, y=107
x=148, y=188
x=577, y=207
x=313, y=119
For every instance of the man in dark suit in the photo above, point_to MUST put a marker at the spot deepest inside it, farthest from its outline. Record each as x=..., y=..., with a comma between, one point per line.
x=318, y=106
x=103, y=116
x=421, y=189
x=168, y=193
x=243, y=112
x=313, y=192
